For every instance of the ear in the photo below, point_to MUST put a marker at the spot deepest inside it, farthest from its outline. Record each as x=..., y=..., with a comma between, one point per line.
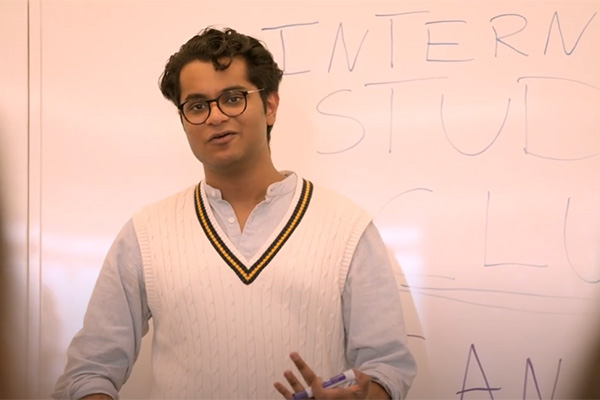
x=272, y=104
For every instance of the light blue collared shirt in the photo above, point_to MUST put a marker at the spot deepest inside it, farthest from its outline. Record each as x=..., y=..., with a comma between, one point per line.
x=102, y=354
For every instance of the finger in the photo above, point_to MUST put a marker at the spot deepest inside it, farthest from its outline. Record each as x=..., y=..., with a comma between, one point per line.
x=359, y=390
x=281, y=388
x=317, y=389
x=306, y=372
x=363, y=382
x=293, y=381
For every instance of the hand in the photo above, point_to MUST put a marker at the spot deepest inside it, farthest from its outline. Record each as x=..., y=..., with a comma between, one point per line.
x=357, y=391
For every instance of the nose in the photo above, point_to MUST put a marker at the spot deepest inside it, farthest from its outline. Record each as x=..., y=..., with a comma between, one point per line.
x=216, y=116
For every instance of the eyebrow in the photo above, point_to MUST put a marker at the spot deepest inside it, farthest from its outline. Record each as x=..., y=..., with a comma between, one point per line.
x=192, y=96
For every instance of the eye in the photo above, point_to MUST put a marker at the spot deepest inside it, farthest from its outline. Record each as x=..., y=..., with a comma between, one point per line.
x=196, y=106
x=232, y=98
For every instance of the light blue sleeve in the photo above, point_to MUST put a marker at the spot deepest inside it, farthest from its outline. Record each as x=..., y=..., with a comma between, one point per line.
x=101, y=355
x=373, y=320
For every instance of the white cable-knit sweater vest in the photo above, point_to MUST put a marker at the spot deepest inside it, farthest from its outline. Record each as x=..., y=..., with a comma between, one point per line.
x=224, y=325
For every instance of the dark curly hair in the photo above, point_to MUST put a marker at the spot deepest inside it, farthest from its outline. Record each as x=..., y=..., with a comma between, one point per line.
x=220, y=47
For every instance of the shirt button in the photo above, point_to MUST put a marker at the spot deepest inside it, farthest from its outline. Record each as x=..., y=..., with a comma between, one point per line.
x=231, y=220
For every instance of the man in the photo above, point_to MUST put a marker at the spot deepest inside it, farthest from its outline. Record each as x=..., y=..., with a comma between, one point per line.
x=245, y=268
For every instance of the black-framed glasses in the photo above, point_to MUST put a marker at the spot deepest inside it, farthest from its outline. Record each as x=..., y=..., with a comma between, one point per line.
x=231, y=103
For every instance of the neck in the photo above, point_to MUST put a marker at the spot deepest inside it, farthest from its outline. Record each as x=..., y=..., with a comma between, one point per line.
x=244, y=188
x=244, y=191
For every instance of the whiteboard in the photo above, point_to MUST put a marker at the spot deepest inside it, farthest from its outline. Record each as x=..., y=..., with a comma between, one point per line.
x=469, y=130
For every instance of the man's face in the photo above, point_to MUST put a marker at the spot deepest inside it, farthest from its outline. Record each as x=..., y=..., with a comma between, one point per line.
x=225, y=144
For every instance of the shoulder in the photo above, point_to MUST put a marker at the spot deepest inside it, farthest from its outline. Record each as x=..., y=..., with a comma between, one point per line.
x=165, y=202
x=168, y=206
x=328, y=206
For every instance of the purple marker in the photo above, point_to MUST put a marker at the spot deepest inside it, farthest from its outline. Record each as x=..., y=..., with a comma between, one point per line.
x=344, y=378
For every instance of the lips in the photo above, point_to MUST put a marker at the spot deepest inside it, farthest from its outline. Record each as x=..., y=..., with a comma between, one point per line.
x=220, y=135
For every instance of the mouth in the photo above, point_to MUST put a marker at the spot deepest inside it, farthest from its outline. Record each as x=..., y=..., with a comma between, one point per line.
x=218, y=136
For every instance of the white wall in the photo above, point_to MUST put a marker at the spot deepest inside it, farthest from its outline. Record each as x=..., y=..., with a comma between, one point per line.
x=468, y=129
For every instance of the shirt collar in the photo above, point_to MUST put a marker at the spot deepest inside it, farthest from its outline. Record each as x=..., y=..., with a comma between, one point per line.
x=281, y=188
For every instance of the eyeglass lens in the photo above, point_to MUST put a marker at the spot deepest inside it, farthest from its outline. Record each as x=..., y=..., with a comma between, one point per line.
x=231, y=103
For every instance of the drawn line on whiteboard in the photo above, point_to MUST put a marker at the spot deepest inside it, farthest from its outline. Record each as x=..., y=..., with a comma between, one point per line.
x=392, y=46
x=362, y=136
x=479, y=389
x=282, y=27
x=486, y=147
x=485, y=245
x=559, y=159
x=567, y=249
x=402, y=13
x=431, y=44
x=498, y=307
x=340, y=31
x=555, y=17
x=487, y=388
x=430, y=276
x=405, y=81
x=446, y=21
x=499, y=39
x=526, y=149
x=271, y=28
x=526, y=102
x=529, y=294
x=402, y=194
x=558, y=78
